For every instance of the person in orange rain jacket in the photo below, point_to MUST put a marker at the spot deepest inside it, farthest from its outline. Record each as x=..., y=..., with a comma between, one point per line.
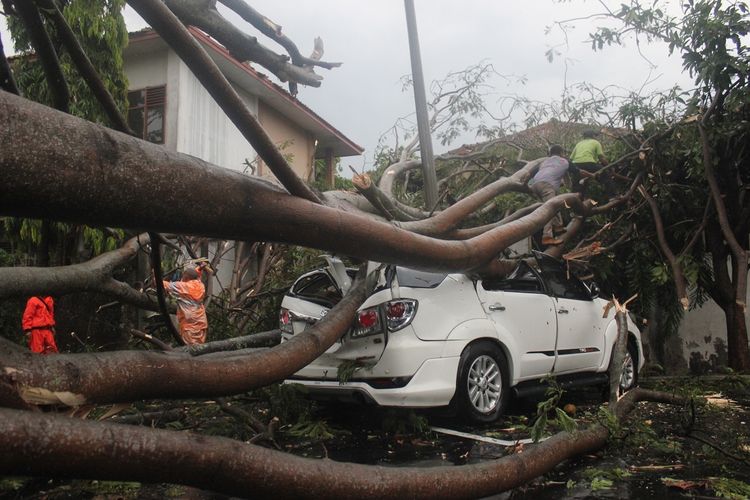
x=191, y=314
x=38, y=322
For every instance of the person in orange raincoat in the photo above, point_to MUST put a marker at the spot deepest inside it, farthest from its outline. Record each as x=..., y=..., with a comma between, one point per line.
x=38, y=322
x=191, y=314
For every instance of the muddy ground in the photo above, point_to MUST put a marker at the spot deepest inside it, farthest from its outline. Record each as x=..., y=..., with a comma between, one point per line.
x=700, y=451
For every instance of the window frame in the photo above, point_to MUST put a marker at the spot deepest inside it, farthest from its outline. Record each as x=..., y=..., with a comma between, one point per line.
x=160, y=101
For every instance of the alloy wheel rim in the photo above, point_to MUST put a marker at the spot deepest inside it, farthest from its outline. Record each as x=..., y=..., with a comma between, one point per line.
x=484, y=384
x=627, y=378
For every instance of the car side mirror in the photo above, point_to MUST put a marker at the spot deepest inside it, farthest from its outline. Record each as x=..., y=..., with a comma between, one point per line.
x=594, y=290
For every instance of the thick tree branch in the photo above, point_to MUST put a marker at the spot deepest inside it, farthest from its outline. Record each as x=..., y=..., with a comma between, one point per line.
x=256, y=340
x=106, y=451
x=7, y=82
x=84, y=66
x=205, y=70
x=677, y=274
x=93, y=275
x=203, y=14
x=378, y=199
x=128, y=169
x=273, y=31
x=449, y=218
x=738, y=251
x=123, y=376
x=44, y=49
x=159, y=286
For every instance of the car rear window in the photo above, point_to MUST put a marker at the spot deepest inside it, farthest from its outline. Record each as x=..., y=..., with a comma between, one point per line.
x=318, y=287
x=418, y=279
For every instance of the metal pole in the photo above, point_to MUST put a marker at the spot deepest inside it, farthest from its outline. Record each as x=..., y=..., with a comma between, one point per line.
x=420, y=100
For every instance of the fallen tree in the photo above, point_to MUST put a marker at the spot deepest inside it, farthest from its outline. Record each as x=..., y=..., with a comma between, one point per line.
x=135, y=190
x=34, y=442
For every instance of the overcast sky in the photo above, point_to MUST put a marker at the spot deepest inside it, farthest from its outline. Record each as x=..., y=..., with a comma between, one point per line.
x=364, y=97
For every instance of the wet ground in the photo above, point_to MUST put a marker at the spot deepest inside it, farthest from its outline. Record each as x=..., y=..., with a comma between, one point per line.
x=701, y=451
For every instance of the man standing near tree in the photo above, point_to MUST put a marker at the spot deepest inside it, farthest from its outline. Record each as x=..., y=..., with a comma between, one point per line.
x=586, y=159
x=38, y=323
x=545, y=184
x=191, y=313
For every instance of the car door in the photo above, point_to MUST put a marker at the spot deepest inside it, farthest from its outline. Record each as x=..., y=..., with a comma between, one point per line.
x=580, y=339
x=519, y=307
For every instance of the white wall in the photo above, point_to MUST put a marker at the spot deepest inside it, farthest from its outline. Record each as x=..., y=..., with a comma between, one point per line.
x=194, y=123
x=703, y=330
x=203, y=130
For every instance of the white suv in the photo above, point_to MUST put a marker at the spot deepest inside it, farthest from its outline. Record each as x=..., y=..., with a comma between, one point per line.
x=428, y=339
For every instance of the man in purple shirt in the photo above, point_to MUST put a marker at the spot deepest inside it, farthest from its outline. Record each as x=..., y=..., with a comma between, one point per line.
x=545, y=184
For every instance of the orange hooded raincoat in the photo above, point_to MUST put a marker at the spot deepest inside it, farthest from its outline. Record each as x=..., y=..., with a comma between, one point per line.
x=191, y=314
x=38, y=322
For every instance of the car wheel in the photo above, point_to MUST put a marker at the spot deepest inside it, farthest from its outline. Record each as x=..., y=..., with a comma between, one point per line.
x=629, y=376
x=482, y=383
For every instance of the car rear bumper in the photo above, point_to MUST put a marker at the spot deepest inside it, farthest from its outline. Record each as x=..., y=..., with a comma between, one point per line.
x=432, y=385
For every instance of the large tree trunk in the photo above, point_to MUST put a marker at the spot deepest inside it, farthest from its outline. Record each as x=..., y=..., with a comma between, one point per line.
x=737, y=347
x=34, y=443
x=135, y=188
x=124, y=376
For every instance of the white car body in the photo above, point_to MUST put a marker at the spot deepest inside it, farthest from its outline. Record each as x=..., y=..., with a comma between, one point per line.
x=540, y=332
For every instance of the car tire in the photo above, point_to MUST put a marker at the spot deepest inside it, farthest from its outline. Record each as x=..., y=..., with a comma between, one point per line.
x=482, y=390
x=629, y=375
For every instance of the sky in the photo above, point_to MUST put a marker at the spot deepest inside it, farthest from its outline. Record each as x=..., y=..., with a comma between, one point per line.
x=364, y=97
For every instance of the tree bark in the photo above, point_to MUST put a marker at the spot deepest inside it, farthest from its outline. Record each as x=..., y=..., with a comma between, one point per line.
x=449, y=218
x=124, y=376
x=135, y=189
x=33, y=444
x=205, y=70
x=737, y=346
x=92, y=276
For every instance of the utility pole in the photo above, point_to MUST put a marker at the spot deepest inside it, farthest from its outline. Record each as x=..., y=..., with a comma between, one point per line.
x=420, y=100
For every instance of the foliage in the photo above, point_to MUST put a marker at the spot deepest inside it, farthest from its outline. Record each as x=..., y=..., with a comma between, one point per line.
x=550, y=405
x=399, y=421
x=312, y=429
x=287, y=402
x=602, y=479
x=321, y=177
x=101, y=30
x=733, y=489
x=599, y=483
x=348, y=368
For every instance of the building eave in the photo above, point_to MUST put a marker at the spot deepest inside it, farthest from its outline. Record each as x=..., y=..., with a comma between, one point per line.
x=242, y=74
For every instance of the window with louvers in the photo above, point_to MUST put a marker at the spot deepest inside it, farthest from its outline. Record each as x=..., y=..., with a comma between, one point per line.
x=146, y=113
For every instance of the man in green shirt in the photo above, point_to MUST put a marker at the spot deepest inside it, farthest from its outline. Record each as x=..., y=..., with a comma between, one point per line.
x=586, y=159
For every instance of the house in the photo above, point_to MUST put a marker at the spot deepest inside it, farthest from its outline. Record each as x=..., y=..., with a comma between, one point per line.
x=168, y=105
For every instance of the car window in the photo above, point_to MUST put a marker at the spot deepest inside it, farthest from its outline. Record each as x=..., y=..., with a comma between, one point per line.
x=559, y=281
x=522, y=279
x=318, y=287
x=418, y=279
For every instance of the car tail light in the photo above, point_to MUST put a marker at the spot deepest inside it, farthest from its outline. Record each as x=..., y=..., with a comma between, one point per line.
x=366, y=323
x=285, y=321
x=399, y=313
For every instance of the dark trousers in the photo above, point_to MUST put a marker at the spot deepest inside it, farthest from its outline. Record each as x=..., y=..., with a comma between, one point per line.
x=576, y=176
x=544, y=191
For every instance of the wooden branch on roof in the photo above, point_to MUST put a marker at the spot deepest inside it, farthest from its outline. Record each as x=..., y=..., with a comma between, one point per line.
x=274, y=32
x=244, y=47
x=205, y=70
